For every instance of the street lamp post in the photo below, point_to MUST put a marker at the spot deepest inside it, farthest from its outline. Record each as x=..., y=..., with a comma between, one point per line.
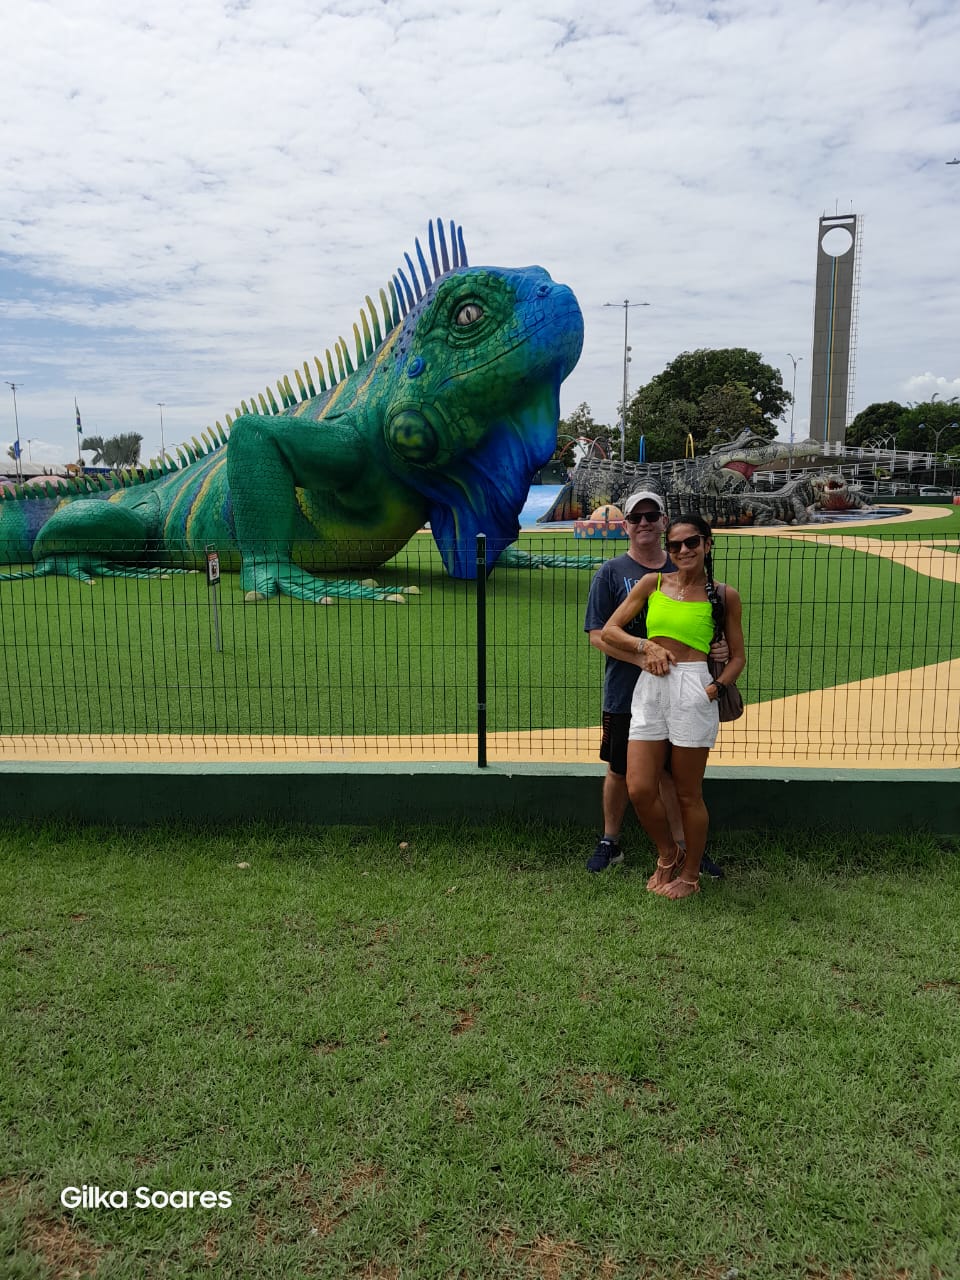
x=13, y=387
x=937, y=433
x=163, y=448
x=29, y=450
x=793, y=404
x=626, y=304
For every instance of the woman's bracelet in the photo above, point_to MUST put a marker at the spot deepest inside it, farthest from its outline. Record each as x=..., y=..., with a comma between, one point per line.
x=641, y=644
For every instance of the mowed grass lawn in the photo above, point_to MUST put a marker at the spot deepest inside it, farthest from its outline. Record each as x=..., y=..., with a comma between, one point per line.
x=139, y=656
x=450, y=1052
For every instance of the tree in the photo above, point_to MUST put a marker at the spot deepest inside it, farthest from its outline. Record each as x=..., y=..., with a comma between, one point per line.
x=580, y=424
x=689, y=375
x=727, y=411
x=920, y=424
x=94, y=445
x=711, y=395
x=116, y=452
x=880, y=419
x=664, y=423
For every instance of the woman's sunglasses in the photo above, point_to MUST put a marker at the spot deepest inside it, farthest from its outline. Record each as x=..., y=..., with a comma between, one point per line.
x=651, y=517
x=691, y=543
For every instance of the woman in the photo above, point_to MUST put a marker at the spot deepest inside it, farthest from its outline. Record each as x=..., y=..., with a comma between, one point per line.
x=675, y=699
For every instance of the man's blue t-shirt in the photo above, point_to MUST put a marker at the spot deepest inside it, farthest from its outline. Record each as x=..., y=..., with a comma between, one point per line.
x=611, y=585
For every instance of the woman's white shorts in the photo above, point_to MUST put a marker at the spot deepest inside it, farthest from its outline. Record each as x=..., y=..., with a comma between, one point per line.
x=675, y=707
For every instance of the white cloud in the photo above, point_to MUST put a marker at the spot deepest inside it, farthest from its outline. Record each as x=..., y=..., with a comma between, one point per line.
x=926, y=386
x=196, y=200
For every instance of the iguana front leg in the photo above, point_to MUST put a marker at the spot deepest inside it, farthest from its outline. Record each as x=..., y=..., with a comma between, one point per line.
x=269, y=459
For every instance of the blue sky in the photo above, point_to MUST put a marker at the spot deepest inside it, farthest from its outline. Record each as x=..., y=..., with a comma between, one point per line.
x=197, y=198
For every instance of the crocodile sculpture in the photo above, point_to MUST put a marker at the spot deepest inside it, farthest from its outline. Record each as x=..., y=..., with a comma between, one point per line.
x=723, y=473
x=451, y=407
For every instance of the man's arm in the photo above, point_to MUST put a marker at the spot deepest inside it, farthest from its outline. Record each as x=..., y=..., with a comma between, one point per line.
x=631, y=659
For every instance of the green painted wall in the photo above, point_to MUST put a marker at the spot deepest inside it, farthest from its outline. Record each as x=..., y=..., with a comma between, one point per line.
x=148, y=794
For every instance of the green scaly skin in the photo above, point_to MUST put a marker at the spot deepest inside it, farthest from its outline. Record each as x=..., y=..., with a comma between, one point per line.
x=446, y=420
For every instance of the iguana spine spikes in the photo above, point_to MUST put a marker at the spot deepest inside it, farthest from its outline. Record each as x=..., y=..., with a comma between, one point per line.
x=443, y=246
x=377, y=335
x=424, y=269
x=333, y=377
x=413, y=276
x=308, y=377
x=410, y=300
x=433, y=251
x=300, y=385
x=358, y=343
x=321, y=377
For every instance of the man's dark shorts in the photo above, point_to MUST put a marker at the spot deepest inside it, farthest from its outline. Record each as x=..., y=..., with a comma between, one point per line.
x=613, y=743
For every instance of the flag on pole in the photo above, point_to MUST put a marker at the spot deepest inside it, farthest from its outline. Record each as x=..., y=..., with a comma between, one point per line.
x=16, y=448
x=79, y=425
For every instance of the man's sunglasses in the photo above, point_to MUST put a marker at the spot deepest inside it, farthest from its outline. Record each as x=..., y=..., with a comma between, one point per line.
x=651, y=517
x=691, y=543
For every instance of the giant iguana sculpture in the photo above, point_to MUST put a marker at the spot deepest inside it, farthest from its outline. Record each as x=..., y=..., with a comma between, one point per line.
x=723, y=473
x=449, y=411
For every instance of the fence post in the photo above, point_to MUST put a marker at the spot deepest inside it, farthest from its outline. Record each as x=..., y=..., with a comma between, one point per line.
x=481, y=650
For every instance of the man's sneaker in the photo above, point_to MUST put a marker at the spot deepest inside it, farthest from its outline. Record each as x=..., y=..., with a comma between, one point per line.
x=709, y=868
x=606, y=854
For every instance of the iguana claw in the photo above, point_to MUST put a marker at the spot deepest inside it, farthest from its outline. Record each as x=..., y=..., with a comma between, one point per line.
x=265, y=580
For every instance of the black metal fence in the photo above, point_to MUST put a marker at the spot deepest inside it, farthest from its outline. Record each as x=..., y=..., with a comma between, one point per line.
x=852, y=643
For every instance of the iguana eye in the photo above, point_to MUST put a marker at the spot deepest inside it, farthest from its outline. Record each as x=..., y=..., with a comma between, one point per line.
x=469, y=313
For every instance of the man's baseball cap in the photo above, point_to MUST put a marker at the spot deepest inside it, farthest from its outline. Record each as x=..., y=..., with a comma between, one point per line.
x=644, y=495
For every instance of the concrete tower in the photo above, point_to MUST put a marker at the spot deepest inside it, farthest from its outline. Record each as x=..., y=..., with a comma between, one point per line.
x=835, y=326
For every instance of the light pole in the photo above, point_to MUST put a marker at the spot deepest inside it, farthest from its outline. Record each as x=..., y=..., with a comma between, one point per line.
x=29, y=450
x=13, y=387
x=937, y=433
x=793, y=404
x=163, y=448
x=626, y=304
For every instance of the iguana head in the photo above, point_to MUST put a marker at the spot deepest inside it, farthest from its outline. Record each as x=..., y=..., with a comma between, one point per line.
x=474, y=400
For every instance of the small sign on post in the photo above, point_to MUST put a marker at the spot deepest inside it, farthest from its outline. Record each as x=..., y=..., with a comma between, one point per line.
x=213, y=580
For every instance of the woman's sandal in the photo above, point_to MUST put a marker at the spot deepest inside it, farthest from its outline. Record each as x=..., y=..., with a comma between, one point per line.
x=694, y=887
x=674, y=867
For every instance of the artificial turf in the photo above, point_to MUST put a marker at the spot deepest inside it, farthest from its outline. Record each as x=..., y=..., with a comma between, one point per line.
x=129, y=655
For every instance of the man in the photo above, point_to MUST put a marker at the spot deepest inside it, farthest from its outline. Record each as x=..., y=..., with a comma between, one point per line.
x=646, y=518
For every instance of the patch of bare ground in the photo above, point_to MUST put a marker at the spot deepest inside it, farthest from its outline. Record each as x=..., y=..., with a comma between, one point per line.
x=210, y=1245
x=324, y=1213
x=65, y=1251
x=544, y=1258
x=375, y=1270
x=462, y=1110
x=464, y=1020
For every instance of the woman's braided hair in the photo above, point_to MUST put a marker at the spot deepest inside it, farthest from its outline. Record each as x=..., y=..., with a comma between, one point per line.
x=713, y=595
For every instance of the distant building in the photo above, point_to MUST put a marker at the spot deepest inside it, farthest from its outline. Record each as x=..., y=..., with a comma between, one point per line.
x=835, y=326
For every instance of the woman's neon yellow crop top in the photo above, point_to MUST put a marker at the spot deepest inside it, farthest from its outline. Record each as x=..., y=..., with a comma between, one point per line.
x=689, y=621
